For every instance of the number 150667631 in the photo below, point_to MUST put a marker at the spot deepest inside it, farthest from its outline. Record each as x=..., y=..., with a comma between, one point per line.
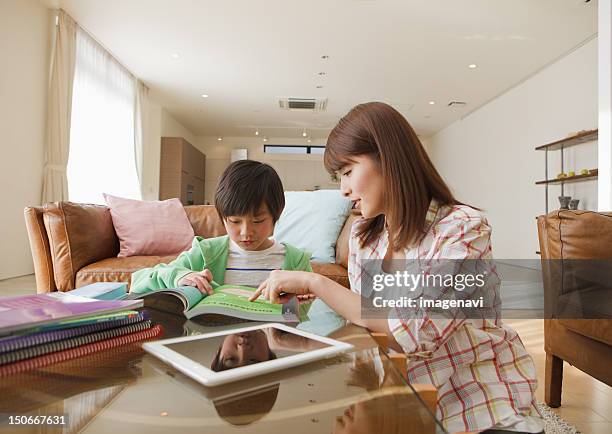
x=18, y=419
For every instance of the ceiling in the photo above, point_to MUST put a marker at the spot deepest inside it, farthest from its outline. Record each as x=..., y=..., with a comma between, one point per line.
x=245, y=54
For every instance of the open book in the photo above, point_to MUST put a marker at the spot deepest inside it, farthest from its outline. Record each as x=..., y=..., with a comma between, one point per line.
x=228, y=300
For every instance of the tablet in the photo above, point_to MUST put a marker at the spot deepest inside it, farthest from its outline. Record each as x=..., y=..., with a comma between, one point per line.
x=222, y=357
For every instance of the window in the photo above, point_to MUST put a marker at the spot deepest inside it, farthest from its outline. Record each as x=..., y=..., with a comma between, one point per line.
x=101, y=158
x=294, y=149
x=317, y=150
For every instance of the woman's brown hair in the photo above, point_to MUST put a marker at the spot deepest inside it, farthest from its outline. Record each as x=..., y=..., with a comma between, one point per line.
x=410, y=180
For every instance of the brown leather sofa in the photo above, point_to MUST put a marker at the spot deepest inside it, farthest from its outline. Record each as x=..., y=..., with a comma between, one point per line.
x=75, y=244
x=583, y=240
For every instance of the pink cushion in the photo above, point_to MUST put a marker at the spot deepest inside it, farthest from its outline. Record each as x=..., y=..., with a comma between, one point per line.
x=150, y=227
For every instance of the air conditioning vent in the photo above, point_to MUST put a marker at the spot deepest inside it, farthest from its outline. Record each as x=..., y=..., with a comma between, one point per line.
x=456, y=104
x=312, y=104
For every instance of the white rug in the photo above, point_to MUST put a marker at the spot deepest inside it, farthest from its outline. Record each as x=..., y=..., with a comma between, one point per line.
x=553, y=424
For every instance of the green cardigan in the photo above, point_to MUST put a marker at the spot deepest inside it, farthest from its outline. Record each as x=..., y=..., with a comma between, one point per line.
x=204, y=254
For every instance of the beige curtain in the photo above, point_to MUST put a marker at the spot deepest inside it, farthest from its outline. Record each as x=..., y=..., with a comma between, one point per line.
x=59, y=107
x=141, y=125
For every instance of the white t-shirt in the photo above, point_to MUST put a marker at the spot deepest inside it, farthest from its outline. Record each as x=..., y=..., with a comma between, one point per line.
x=250, y=268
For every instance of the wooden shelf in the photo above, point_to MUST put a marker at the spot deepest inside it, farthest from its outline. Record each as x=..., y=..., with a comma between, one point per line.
x=586, y=136
x=569, y=179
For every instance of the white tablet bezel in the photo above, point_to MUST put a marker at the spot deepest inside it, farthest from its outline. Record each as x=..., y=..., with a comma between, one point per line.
x=208, y=377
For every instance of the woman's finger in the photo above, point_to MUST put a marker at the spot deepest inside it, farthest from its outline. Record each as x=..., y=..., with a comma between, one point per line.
x=259, y=290
x=274, y=295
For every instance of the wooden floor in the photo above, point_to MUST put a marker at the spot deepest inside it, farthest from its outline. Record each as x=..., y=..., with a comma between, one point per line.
x=586, y=402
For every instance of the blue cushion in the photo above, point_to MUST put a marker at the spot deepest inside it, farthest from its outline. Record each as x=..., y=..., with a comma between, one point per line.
x=312, y=221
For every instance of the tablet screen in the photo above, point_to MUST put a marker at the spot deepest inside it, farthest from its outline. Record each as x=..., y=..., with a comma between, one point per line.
x=220, y=353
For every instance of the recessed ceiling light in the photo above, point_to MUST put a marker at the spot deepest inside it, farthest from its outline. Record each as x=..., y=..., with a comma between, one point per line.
x=472, y=66
x=309, y=140
x=204, y=95
x=432, y=102
x=256, y=132
x=265, y=139
x=304, y=133
x=175, y=55
x=219, y=138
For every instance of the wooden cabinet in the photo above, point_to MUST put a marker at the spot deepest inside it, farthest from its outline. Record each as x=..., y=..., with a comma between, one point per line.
x=182, y=171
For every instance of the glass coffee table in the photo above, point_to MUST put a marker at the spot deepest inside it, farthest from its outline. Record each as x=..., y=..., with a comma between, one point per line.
x=128, y=390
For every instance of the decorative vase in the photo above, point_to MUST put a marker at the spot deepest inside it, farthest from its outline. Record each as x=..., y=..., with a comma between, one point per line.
x=573, y=204
x=564, y=201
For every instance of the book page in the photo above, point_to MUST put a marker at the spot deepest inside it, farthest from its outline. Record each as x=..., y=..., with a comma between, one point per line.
x=191, y=295
x=177, y=301
x=235, y=298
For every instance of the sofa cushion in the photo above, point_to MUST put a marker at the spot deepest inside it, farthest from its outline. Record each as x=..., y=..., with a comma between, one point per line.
x=78, y=234
x=117, y=269
x=150, y=227
x=205, y=221
x=312, y=221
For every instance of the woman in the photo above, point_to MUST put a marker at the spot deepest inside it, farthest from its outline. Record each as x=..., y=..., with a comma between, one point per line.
x=484, y=376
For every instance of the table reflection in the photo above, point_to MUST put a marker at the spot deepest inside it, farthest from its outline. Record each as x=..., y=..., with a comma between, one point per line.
x=121, y=390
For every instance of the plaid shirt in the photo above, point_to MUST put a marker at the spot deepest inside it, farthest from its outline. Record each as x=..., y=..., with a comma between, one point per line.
x=483, y=374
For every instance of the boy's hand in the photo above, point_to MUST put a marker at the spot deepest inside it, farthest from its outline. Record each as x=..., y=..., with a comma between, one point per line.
x=200, y=280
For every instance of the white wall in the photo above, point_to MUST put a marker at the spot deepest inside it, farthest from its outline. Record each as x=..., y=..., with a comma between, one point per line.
x=297, y=172
x=170, y=127
x=24, y=49
x=604, y=26
x=489, y=161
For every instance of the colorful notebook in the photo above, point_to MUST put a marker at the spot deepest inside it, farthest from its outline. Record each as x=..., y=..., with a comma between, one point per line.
x=14, y=343
x=27, y=311
x=72, y=353
x=72, y=323
x=71, y=342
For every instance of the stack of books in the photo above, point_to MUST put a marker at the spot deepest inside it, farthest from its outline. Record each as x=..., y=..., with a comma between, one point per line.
x=39, y=330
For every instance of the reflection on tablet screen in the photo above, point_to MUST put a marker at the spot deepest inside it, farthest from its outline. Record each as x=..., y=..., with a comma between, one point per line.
x=221, y=353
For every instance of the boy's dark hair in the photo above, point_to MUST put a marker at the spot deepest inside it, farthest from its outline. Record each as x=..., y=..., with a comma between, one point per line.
x=245, y=185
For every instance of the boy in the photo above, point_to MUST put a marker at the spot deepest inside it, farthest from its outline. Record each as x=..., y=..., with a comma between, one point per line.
x=249, y=200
